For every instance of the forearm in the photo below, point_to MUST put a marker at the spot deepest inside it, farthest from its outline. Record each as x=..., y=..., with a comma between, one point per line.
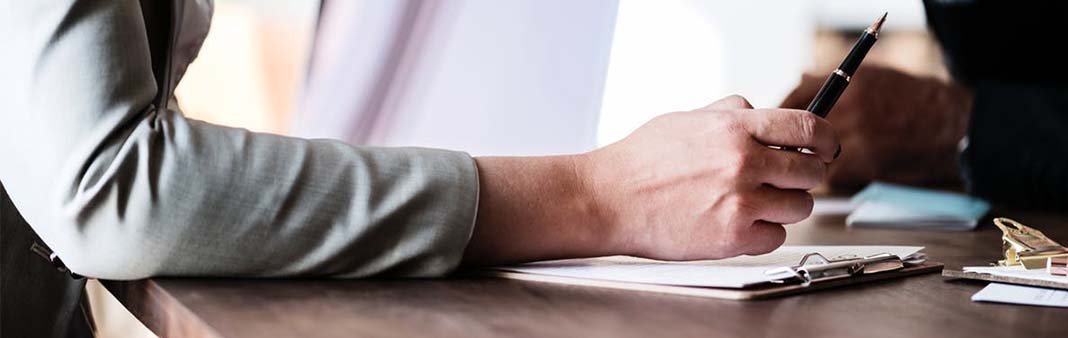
x=689, y=185
x=533, y=208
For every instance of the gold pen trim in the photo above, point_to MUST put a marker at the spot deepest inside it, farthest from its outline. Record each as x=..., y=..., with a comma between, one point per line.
x=839, y=72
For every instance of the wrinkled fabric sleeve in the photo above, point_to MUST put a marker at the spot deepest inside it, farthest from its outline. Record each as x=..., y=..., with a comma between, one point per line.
x=123, y=190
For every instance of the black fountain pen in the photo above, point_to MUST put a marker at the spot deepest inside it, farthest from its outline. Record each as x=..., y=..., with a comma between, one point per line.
x=839, y=79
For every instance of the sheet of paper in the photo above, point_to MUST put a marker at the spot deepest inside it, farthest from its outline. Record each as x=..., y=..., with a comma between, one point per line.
x=1019, y=294
x=735, y=272
x=1017, y=271
x=832, y=206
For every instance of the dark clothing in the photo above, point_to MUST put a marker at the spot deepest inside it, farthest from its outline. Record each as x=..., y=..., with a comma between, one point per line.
x=1009, y=53
x=1016, y=42
x=46, y=297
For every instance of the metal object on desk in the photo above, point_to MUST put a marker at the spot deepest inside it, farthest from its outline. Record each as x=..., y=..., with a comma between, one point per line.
x=1057, y=266
x=814, y=267
x=1024, y=245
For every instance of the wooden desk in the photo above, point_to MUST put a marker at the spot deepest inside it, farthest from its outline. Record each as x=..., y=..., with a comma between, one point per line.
x=923, y=306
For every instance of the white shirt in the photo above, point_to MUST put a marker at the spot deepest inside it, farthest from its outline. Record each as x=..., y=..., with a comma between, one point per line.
x=483, y=76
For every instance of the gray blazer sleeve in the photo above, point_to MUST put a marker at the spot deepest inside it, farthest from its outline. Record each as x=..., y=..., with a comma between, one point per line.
x=123, y=190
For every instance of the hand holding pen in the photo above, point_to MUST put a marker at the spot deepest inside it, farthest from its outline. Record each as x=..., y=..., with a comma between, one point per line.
x=839, y=79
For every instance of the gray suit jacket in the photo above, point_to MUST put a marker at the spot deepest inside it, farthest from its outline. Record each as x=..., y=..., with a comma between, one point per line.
x=97, y=160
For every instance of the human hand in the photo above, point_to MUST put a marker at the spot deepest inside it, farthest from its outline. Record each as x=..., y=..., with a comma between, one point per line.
x=893, y=127
x=703, y=184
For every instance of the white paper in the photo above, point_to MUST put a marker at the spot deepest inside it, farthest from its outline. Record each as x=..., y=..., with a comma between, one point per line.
x=735, y=272
x=1019, y=294
x=832, y=206
x=1017, y=271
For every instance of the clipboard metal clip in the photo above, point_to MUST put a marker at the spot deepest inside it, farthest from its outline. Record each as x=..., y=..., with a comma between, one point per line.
x=815, y=267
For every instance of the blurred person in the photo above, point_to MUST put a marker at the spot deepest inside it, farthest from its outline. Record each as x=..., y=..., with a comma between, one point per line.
x=1007, y=107
x=98, y=163
x=893, y=127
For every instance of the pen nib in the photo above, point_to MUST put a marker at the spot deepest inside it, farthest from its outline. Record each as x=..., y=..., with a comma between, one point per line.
x=874, y=28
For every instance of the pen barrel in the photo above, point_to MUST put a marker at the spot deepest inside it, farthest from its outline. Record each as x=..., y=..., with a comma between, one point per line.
x=828, y=94
x=857, y=54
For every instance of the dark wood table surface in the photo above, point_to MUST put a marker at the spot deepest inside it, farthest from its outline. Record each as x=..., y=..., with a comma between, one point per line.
x=919, y=306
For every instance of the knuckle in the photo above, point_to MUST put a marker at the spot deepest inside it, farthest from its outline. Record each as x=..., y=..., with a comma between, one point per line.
x=744, y=165
x=731, y=102
x=821, y=173
x=735, y=128
x=738, y=164
x=732, y=234
x=732, y=123
x=744, y=208
x=807, y=124
x=735, y=100
x=662, y=118
x=811, y=170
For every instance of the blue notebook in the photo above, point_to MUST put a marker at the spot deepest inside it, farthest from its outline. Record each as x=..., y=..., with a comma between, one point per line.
x=885, y=205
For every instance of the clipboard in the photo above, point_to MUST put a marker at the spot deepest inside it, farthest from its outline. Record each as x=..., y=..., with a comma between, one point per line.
x=813, y=273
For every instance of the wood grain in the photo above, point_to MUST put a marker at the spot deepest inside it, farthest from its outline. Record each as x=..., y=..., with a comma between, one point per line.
x=920, y=306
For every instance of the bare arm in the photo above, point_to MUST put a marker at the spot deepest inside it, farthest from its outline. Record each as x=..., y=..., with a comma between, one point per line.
x=535, y=208
x=689, y=185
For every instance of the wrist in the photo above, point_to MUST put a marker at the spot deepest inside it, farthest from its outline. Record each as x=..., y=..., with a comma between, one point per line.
x=536, y=208
x=593, y=192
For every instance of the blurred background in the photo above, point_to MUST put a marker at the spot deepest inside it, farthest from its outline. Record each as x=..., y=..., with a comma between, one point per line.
x=666, y=55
